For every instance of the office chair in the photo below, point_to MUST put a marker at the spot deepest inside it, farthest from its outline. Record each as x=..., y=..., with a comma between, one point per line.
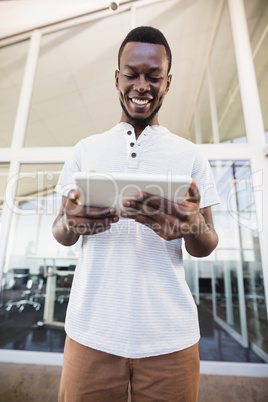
x=21, y=281
x=64, y=284
x=40, y=292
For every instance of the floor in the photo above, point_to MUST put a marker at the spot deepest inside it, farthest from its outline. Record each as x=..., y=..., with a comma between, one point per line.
x=217, y=345
x=35, y=383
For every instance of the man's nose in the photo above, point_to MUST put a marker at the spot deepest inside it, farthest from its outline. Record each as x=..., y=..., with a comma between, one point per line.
x=141, y=85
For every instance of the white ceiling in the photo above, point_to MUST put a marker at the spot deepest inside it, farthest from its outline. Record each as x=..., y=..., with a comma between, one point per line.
x=18, y=16
x=74, y=94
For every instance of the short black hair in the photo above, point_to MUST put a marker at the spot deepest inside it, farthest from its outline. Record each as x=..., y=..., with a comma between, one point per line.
x=146, y=34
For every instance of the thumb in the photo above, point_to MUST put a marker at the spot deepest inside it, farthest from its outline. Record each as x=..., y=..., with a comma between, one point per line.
x=193, y=193
x=73, y=196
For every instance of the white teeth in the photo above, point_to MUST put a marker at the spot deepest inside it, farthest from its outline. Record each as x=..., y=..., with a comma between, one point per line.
x=140, y=101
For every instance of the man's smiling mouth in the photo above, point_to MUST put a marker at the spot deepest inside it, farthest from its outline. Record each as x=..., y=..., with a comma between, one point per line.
x=140, y=102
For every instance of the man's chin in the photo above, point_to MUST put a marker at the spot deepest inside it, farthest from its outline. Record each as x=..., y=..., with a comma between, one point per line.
x=145, y=121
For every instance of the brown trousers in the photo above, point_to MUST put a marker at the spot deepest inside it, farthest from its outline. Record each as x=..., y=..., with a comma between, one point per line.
x=89, y=375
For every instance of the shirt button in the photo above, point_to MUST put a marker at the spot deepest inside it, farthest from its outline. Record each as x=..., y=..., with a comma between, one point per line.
x=129, y=132
x=133, y=155
x=132, y=144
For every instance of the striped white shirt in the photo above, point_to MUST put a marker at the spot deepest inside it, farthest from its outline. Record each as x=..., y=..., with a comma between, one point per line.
x=129, y=295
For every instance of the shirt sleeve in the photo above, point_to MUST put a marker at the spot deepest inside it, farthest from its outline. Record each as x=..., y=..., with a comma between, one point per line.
x=71, y=166
x=203, y=175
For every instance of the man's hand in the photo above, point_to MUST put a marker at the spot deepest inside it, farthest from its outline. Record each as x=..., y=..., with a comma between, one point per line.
x=172, y=221
x=74, y=220
x=83, y=220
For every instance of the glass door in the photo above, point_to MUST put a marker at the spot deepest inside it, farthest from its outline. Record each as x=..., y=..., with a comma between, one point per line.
x=237, y=274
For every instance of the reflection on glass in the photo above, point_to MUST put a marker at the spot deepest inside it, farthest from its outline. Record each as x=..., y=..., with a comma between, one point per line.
x=230, y=281
x=38, y=273
x=12, y=62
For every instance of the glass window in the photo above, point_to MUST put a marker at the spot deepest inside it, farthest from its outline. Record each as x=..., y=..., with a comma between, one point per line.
x=257, y=14
x=203, y=103
x=74, y=94
x=73, y=84
x=225, y=84
x=229, y=283
x=12, y=62
x=38, y=271
x=188, y=36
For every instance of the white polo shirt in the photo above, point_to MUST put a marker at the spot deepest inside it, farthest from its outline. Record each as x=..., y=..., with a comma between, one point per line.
x=129, y=295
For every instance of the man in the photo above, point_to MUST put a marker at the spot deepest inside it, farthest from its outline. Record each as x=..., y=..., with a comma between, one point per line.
x=131, y=318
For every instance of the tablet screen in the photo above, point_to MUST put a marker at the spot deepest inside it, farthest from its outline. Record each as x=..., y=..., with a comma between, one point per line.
x=110, y=189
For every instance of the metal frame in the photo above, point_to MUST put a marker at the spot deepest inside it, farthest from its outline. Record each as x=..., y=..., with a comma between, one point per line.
x=206, y=367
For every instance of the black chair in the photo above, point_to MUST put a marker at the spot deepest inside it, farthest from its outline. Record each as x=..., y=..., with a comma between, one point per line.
x=64, y=283
x=40, y=289
x=21, y=285
x=2, y=290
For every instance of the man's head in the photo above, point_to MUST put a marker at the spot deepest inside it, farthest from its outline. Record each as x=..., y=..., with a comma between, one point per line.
x=146, y=34
x=143, y=79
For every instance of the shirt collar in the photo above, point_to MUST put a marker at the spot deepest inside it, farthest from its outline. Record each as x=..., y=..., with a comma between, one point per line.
x=156, y=129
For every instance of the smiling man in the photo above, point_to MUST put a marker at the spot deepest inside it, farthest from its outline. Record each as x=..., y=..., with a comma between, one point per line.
x=131, y=321
x=142, y=82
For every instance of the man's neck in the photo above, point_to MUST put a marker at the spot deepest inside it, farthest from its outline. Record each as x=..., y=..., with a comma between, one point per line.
x=139, y=126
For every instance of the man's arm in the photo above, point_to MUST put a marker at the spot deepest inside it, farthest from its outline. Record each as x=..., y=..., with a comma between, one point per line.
x=74, y=220
x=205, y=240
x=60, y=229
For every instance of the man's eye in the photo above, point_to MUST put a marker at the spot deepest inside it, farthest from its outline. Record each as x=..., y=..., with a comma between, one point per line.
x=154, y=79
x=130, y=77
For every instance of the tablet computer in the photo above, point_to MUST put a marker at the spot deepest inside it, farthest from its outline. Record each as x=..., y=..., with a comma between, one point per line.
x=110, y=189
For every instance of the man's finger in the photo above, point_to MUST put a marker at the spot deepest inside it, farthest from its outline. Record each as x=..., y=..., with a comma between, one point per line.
x=73, y=196
x=193, y=192
x=96, y=212
x=143, y=207
x=158, y=206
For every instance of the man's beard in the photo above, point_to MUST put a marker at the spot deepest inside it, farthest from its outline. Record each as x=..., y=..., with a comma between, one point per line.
x=141, y=121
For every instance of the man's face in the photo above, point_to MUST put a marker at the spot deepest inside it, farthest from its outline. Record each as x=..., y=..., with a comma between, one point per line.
x=142, y=81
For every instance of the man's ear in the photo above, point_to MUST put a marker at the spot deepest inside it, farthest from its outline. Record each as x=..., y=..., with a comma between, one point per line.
x=116, y=78
x=169, y=78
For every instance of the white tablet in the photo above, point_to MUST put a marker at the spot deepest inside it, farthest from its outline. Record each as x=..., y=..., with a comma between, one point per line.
x=110, y=189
